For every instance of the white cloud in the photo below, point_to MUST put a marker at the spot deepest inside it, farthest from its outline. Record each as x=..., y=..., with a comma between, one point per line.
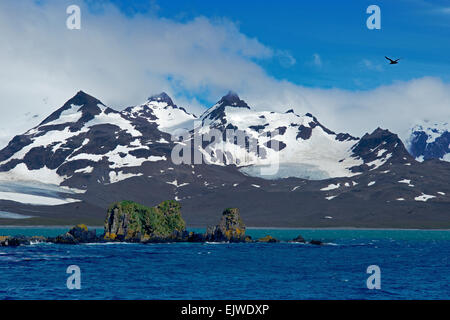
x=317, y=61
x=285, y=58
x=441, y=10
x=368, y=64
x=118, y=59
x=396, y=107
x=123, y=60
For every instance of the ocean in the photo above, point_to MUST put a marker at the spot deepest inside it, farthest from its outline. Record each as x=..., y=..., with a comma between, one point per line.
x=413, y=265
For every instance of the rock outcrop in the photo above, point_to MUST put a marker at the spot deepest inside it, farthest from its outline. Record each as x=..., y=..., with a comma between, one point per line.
x=130, y=221
x=299, y=239
x=268, y=239
x=78, y=234
x=230, y=229
x=6, y=241
x=15, y=241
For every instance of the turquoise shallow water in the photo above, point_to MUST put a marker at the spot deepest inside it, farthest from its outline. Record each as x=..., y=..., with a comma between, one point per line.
x=281, y=234
x=414, y=265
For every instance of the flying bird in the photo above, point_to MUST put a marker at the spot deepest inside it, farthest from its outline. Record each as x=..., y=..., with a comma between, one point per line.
x=392, y=61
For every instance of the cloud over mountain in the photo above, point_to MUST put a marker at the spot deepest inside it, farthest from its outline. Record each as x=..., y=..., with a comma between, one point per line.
x=124, y=59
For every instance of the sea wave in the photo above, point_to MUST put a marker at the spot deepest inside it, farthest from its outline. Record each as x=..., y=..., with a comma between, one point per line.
x=108, y=243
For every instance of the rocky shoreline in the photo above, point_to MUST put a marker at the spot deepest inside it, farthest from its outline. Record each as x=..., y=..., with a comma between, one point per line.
x=128, y=221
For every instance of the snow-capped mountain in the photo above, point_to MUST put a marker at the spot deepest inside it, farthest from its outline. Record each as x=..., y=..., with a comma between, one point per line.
x=301, y=145
x=430, y=140
x=161, y=110
x=83, y=138
x=85, y=155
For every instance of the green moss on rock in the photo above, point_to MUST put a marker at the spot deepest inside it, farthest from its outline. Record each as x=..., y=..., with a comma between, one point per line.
x=128, y=220
x=268, y=239
x=231, y=228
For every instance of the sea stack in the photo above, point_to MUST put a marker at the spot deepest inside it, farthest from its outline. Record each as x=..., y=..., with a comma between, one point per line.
x=230, y=229
x=133, y=222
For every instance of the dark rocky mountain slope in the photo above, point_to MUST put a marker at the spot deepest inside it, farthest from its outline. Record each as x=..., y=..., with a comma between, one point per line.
x=84, y=156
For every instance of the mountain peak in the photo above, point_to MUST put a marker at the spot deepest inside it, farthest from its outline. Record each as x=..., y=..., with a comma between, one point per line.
x=232, y=94
x=82, y=98
x=81, y=93
x=88, y=105
x=161, y=97
x=231, y=99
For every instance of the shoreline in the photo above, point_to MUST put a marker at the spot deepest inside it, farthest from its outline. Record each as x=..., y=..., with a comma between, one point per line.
x=248, y=228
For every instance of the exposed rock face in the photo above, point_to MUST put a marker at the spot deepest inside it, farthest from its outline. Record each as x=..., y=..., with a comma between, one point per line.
x=130, y=221
x=217, y=112
x=268, y=239
x=380, y=148
x=231, y=228
x=299, y=239
x=82, y=234
x=91, y=147
x=8, y=241
x=78, y=234
x=86, y=134
x=430, y=141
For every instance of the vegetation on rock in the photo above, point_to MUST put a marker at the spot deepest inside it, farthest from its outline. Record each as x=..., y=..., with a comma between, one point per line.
x=133, y=222
x=78, y=234
x=231, y=228
x=268, y=239
x=128, y=220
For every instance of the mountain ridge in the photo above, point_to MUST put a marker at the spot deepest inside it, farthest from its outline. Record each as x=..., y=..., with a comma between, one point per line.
x=69, y=167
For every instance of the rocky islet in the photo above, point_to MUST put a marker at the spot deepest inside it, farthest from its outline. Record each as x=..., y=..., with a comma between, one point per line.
x=128, y=221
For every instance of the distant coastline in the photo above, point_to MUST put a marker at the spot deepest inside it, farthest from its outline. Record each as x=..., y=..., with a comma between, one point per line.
x=249, y=228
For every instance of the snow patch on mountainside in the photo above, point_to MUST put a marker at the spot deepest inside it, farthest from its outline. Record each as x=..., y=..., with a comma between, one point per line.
x=85, y=139
x=285, y=170
x=424, y=197
x=34, y=199
x=161, y=110
x=302, y=147
x=114, y=119
x=120, y=176
x=430, y=140
x=48, y=138
x=22, y=173
x=331, y=187
x=116, y=158
x=34, y=192
x=68, y=116
x=171, y=119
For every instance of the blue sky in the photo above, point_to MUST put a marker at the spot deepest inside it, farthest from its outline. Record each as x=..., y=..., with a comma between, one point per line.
x=352, y=57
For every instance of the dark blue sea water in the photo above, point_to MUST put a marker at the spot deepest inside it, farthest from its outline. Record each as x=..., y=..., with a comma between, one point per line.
x=414, y=265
